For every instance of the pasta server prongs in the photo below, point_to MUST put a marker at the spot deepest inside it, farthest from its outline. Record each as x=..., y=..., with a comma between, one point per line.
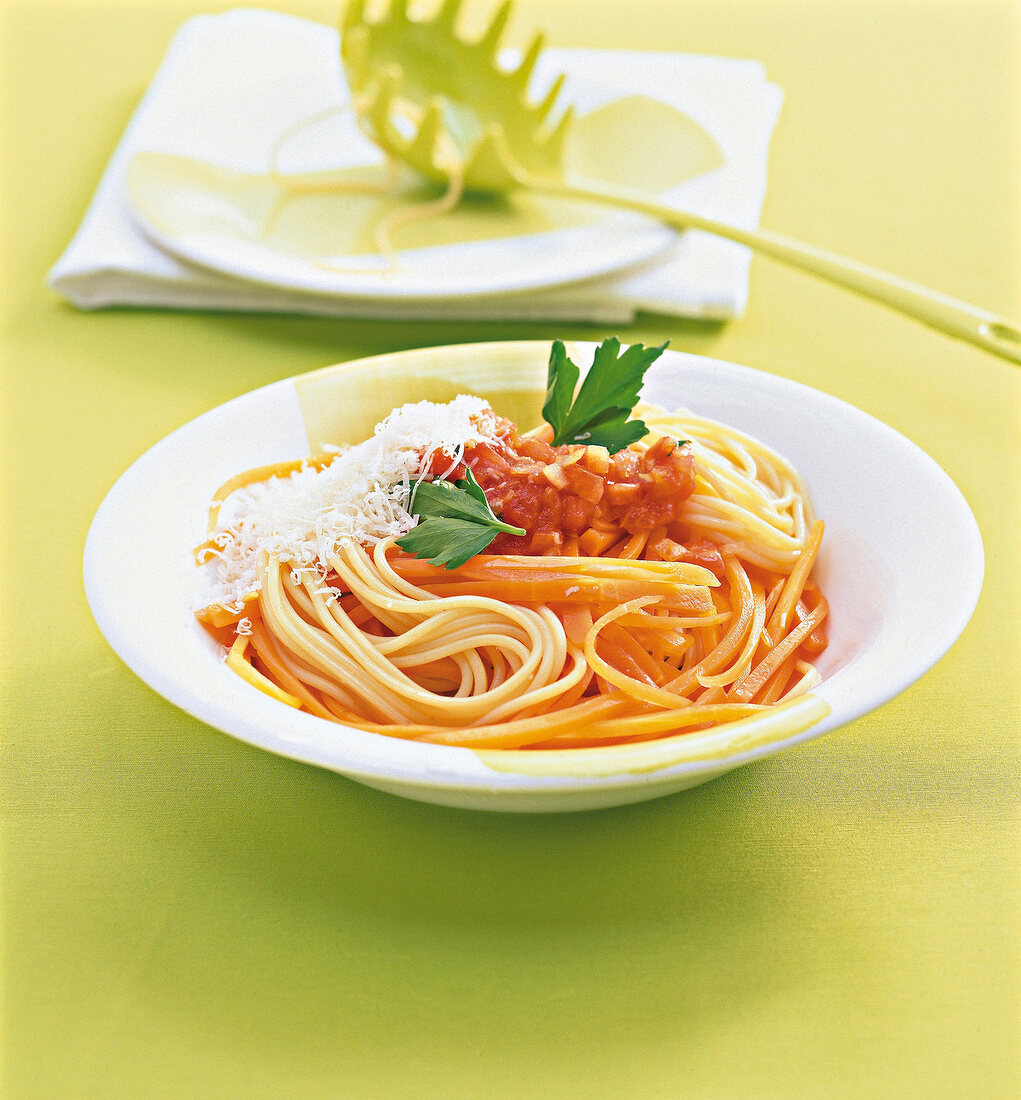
x=445, y=105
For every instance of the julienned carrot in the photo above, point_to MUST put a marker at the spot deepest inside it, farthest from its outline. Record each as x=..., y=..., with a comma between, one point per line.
x=217, y=616
x=360, y=615
x=666, y=639
x=268, y=655
x=637, y=689
x=776, y=685
x=668, y=624
x=593, y=722
x=236, y=663
x=771, y=602
x=650, y=724
x=629, y=547
x=744, y=658
x=503, y=735
x=704, y=639
x=625, y=642
x=687, y=599
x=620, y=658
x=488, y=567
x=573, y=696
x=577, y=620
x=746, y=688
x=816, y=642
x=717, y=658
x=782, y=613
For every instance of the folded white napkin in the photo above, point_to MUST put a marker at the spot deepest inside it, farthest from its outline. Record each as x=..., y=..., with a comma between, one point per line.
x=231, y=84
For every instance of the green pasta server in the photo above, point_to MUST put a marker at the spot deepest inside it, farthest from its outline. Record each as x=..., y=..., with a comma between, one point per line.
x=446, y=107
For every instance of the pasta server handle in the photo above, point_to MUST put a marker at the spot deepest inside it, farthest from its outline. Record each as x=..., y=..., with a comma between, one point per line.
x=983, y=329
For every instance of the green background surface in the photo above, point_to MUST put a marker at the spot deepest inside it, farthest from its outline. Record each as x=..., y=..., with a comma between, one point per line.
x=183, y=915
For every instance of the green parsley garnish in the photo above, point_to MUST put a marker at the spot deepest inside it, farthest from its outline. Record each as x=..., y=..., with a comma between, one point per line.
x=455, y=522
x=599, y=414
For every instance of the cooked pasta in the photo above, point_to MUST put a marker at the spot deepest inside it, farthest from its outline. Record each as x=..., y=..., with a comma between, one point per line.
x=662, y=589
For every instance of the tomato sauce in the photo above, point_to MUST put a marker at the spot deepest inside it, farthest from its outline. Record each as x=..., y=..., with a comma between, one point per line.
x=576, y=498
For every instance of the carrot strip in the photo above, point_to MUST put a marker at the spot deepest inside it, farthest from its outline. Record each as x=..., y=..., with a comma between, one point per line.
x=645, y=726
x=745, y=657
x=657, y=696
x=501, y=735
x=218, y=616
x=510, y=567
x=571, y=697
x=745, y=688
x=771, y=602
x=781, y=617
x=577, y=620
x=817, y=641
x=777, y=683
x=728, y=645
x=640, y=656
x=621, y=659
x=629, y=547
x=684, y=598
x=236, y=663
x=269, y=656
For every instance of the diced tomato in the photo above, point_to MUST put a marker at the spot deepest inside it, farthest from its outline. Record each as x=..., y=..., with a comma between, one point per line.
x=537, y=449
x=705, y=553
x=563, y=491
x=584, y=483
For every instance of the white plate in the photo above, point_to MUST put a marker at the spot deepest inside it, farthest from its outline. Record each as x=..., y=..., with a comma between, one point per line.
x=239, y=224
x=900, y=545
x=212, y=217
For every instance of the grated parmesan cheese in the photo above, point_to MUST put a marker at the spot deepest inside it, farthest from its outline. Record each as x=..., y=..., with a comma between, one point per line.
x=361, y=496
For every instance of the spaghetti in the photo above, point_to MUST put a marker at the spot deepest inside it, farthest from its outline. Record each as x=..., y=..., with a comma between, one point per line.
x=662, y=589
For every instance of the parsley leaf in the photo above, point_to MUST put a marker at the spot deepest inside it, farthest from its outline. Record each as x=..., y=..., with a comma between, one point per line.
x=455, y=522
x=599, y=414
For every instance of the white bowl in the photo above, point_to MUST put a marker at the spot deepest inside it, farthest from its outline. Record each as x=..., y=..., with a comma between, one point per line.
x=901, y=566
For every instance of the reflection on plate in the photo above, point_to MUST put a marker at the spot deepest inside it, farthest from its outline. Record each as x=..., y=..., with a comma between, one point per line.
x=321, y=235
x=884, y=557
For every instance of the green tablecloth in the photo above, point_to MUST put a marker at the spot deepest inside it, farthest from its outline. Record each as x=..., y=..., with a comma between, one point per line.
x=186, y=916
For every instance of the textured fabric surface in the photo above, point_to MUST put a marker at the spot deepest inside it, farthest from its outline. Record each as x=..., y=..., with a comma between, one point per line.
x=183, y=915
